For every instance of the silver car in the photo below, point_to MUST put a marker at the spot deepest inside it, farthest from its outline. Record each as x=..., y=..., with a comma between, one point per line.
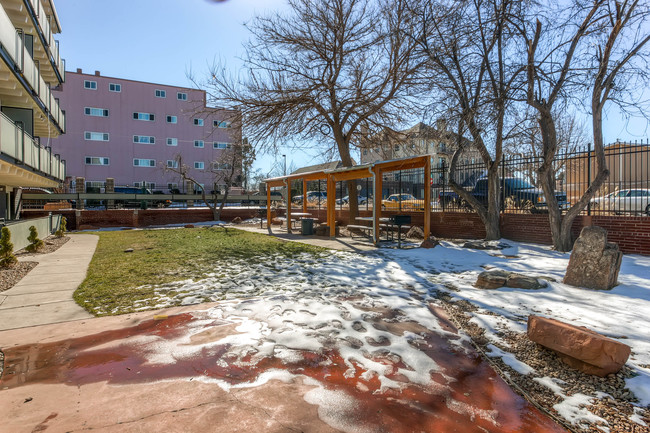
x=625, y=200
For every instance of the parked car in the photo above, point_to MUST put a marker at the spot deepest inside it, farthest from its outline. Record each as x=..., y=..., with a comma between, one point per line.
x=313, y=197
x=138, y=203
x=402, y=201
x=517, y=193
x=626, y=200
x=346, y=200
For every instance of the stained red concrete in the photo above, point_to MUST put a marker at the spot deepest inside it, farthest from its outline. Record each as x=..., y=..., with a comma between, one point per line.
x=476, y=400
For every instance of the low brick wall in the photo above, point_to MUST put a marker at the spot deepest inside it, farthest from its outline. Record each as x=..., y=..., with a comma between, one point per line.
x=631, y=233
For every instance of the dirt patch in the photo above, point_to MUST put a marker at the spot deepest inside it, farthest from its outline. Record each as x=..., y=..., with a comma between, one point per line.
x=616, y=409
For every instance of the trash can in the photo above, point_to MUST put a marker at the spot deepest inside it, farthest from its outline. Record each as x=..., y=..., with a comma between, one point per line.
x=143, y=204
x=307, y=226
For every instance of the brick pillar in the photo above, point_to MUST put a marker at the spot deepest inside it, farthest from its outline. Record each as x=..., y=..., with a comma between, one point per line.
x=110, y=189
x=189, y=189
x=80, y=186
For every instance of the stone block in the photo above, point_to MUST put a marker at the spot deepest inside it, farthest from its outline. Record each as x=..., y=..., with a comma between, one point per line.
x=594, y=262
x=579, y=347
x=492, y=279
x=431, y=242
x=525, y=282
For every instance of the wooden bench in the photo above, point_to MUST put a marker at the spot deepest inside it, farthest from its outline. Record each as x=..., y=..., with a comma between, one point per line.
x=294, y=221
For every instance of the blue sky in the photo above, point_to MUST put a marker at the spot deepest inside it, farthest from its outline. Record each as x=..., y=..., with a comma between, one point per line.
x=162, y=40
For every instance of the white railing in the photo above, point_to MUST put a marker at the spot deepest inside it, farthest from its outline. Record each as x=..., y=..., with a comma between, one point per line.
x=18, y=144
x=19, y=54
x=44, y=22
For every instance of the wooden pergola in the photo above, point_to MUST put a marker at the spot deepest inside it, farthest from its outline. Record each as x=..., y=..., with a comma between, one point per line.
x=374, y=171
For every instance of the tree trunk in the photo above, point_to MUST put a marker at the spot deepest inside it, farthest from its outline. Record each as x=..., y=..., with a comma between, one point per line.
x=493, y=215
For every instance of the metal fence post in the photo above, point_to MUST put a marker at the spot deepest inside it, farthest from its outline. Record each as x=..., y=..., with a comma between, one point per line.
x=589, y=175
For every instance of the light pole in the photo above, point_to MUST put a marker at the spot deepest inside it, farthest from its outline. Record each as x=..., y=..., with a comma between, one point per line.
x=285, y=164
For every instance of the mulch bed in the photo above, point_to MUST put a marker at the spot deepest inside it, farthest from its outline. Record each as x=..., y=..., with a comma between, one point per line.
x=10, y=276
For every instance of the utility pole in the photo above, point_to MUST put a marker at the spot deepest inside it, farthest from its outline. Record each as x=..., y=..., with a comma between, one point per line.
x=285, y=164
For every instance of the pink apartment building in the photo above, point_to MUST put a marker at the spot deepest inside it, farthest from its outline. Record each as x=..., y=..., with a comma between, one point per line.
x=130, y=130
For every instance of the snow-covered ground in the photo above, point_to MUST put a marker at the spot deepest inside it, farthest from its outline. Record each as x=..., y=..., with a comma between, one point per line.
x=287, y=305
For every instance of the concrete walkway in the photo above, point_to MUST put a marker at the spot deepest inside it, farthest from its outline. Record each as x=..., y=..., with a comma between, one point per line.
x=44, y=295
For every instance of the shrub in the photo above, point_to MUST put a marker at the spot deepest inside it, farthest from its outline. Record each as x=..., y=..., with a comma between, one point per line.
x=62, y=228
x=7, y=257
x=35, y=243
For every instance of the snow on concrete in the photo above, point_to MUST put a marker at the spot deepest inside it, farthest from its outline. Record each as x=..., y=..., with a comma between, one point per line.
x=284, y=306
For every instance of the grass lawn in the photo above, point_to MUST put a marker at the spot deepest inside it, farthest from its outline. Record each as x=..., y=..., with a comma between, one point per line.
x=117, y=279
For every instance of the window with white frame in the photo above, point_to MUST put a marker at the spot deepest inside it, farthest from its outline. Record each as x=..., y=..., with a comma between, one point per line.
x=198, y=122
x=139, y=162
x=172, y=141
x=172, y=186
x=161, y=93
x=96, y=136
x=97, y=160
x=216, y=145
x=96, y=112
x=92, y=85
x=199, y=143
x=172, y=119
x=181, y=96
x=143, y=116
x=222, y=124
x=221, y=166
x=94, y=184
x=144, y=184
x=113, y=87
x=199, y=165
x=172, y=163
x=146, y=139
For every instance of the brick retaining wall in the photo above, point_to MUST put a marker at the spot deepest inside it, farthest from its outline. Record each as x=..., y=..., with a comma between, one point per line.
x=631, y=233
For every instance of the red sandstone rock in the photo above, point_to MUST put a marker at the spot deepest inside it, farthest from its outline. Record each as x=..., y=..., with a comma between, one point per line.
x=431, y=242
x=579, y=347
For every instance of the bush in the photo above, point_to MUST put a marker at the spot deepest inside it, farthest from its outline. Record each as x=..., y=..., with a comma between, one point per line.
x=7, y=257
x=35, y=243
x=62, y=228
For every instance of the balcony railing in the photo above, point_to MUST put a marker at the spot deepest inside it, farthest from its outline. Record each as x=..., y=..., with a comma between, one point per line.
x=20, y=56
x=19, y=145
x=44, y=22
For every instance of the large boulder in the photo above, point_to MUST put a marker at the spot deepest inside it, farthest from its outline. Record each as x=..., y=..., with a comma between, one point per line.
x=415, y=232
x=494, y=279
x=579, y=347
x=594, y=262
x=430, y=242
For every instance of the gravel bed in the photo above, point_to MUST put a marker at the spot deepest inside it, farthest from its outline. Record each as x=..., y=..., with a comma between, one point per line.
x=616, y=409
x=50, y=245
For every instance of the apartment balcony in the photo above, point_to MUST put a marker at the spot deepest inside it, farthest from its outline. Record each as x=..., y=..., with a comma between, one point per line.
x=23, y=86
x=24, y=162
x=40, y=20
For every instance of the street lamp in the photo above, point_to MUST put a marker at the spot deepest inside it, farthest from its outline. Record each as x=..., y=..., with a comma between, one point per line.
x=285, y=164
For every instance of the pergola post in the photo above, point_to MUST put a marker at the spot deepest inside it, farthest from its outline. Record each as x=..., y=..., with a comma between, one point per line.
x=268, y=206
x=304, y=195
x=427, y=197
x=376, y=203
x=287, y=182
x=331, y=205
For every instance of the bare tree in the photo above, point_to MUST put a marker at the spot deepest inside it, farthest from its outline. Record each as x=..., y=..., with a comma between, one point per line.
x=226, y=171
x=329, y=72
x=595, y=48
x=466, y=45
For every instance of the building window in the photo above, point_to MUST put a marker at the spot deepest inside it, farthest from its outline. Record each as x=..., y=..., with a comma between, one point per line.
x=92, y=85
x=181, y=96
x=397, y=148
x=172, y=186
x=96, y=112
x=96, y=136
x=222, y=124
x=224, y=166
x=112, y=87
x=198, y=122
x=172, y=119
x=96, y=160
x=144, y=184
x=216, y=145
x=143, y=116
x=172, y=142
x=172, y=163
x=137, y=162
x=147, y=139
x=161, y=94
x=199, y=143
x=198, y=165
x=365, y=151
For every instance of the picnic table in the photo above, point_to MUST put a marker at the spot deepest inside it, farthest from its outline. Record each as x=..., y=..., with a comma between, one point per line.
x=388, y=224
x=295, y=217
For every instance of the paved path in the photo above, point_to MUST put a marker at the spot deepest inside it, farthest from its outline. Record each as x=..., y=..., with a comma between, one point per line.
x=339, y=243
x=44, y=295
